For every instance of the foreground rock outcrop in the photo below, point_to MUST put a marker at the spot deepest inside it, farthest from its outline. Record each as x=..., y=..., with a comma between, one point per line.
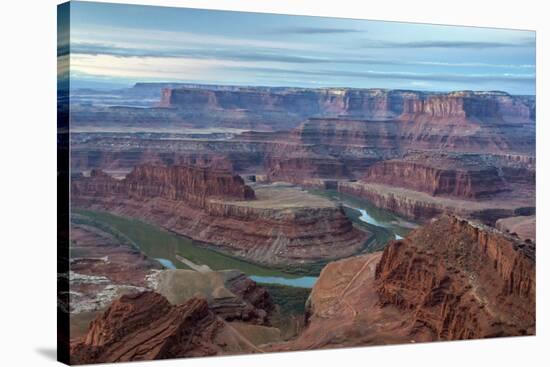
x=146, y=326
x=460, y=281
x=106, y=265
x=448, y=280
x=273, y=224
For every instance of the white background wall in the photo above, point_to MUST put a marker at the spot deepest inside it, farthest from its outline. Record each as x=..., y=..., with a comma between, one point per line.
x=28, y=179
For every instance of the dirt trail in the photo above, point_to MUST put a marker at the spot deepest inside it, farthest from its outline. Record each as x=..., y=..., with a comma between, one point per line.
x=348, y=286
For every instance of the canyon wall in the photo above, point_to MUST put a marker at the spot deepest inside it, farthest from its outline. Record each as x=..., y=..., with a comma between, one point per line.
x=349, y=129
x=462, y=106
x=275, y=225
x=366, y=103
x=460, y=280
x=192, y=184
x=301, y=169
x=313, y=136
x=424, y=184
x=284, y=108
x=421, y=206
x=417, y=208
x=449, y=280
x=464, y=176
x=304, y=102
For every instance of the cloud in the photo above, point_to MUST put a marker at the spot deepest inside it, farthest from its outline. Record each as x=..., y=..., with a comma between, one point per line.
x=239, y=73
x=382, y=75
x=314, y=30
x=448, y=44
x=137, y=38
x=261, y=55
x=219, y=53
x=147, y=67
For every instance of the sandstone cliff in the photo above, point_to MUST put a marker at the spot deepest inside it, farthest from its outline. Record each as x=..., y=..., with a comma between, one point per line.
x=460, y=280
x=283, y=225
x=424, y=184
x=191, y=184
x=448, y=280
x=466, y=176
x=301, y=168
x=366, y=103
x=146, y=326
x=422, y=206
x=463, y=106
x=352, y=128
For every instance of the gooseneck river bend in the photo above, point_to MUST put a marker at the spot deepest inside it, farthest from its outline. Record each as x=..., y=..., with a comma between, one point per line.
x=179, y=252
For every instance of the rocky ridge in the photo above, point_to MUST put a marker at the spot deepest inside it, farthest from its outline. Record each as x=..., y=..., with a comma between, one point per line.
x=191, y=184
x=461, y=280
x=448, y=280
x=368, y=103
x=146, y=326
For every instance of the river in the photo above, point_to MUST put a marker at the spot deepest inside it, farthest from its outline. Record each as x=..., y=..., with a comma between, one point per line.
x=169, y=248
x=302, y=282
x=367, y=218
x=366, y=212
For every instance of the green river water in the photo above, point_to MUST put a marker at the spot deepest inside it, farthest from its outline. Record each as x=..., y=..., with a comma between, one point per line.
x=166, y=246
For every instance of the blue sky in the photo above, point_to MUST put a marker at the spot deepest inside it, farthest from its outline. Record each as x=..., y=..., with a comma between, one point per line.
x=117, y=45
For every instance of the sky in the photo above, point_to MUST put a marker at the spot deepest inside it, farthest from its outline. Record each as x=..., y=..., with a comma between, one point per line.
x=115, y=45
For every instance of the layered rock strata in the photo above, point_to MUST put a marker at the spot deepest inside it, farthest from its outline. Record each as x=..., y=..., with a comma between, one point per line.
x=461, y=281
x=145, y=326
x=116, y=316
x=349, y=142
x=368, y=103
x=283, y=225
x=463, y=176
x=191, y=184
x=425, y=184
x=451, y=279
x=422, y=207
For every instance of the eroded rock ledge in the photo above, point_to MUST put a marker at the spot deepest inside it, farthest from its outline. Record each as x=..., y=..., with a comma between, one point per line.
x=448, y=280
x=460, y=280
x=191, y=184
x=146, y=326
x=440, y=174
x=273, y=225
